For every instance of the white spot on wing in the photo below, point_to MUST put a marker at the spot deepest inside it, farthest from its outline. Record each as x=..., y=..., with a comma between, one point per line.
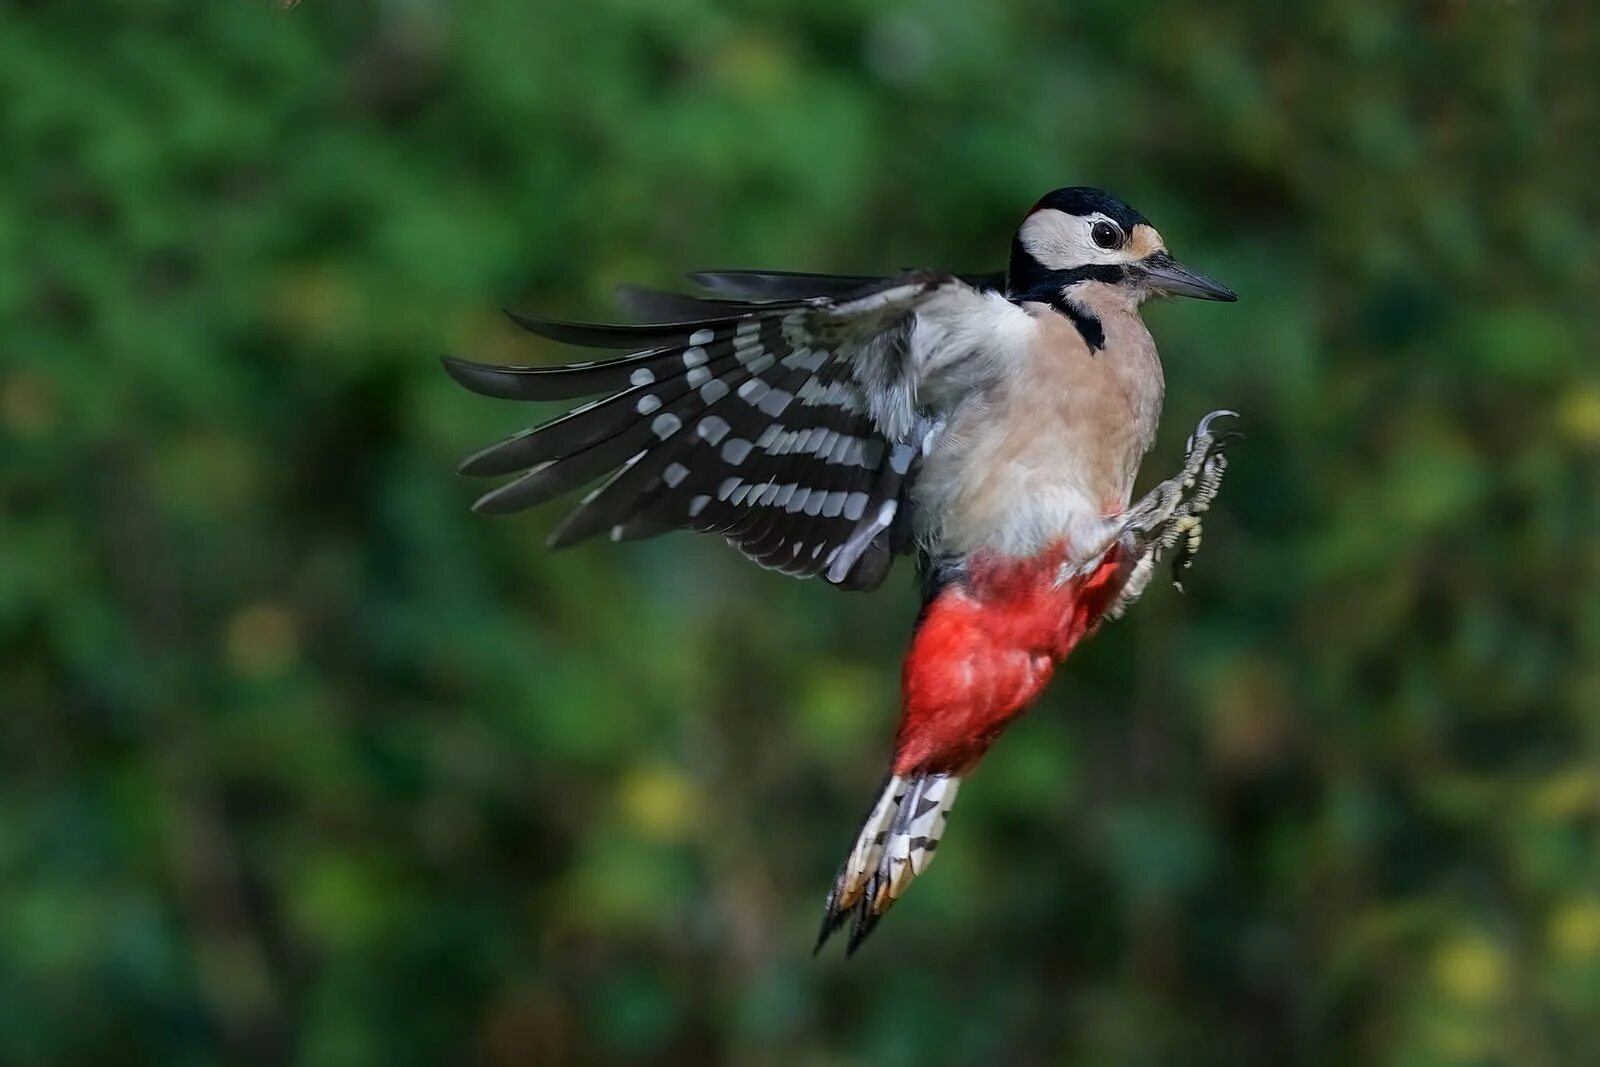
x=775, y=401
x=666, y=424
x=805, y=359
x=647, y=403
x=900, y=458
x=860, y=537
x=712, y=428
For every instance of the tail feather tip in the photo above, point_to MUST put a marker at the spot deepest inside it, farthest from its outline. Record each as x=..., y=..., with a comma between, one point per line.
x=897, y=842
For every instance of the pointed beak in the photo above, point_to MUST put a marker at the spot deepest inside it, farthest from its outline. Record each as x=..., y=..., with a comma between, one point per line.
x=1167, y=275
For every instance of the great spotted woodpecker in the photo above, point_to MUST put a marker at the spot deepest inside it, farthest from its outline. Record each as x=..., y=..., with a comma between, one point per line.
x=990, y=425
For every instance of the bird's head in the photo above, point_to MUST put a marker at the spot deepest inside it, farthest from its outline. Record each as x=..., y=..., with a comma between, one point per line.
x=1079, y=238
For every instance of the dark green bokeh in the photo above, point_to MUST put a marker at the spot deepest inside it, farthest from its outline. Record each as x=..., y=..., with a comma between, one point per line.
x=303, y=762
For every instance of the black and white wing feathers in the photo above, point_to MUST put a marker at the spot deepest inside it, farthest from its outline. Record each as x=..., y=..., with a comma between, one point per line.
x=786, y=416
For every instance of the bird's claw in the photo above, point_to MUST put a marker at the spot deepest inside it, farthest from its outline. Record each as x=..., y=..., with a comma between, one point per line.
x=1204, y=429
x=1170, y=514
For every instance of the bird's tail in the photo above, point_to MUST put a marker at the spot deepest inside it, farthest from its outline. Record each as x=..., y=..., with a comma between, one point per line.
x=897, y=842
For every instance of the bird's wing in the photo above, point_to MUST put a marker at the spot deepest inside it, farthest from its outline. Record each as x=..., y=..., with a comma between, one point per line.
x=789, y=425
x=789, y=285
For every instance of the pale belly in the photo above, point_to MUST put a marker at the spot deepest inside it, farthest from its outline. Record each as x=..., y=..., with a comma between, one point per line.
x=1016, y=492
x=1045, y=457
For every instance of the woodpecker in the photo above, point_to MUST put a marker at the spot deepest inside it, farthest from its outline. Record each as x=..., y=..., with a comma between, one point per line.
x=989, y=425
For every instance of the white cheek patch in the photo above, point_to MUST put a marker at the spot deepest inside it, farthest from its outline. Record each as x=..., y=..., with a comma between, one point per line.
x=1060, y=241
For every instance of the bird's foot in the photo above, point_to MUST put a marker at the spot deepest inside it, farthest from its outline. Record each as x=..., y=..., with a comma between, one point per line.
x=1169, y=515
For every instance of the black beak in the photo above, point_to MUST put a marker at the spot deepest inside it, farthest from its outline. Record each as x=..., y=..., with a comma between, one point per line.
x=1167, y=275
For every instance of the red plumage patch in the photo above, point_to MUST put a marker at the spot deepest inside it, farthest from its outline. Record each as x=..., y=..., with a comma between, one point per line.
x=986, y=649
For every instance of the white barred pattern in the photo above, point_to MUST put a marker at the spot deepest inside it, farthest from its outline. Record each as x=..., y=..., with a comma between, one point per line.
x=757, y=424
x=896, y=843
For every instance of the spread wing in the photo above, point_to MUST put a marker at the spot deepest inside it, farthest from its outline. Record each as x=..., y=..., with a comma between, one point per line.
x=786, y=415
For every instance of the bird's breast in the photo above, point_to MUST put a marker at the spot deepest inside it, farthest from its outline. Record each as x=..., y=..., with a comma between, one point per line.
x=1051, y=449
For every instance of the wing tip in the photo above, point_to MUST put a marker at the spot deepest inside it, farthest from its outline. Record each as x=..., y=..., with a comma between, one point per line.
x=491, y=462
x=491, y=380
x=462, y=371
x=565, y=537
x=494, y=502
x=519, y=494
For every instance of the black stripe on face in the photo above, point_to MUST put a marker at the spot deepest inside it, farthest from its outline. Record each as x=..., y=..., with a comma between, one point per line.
x=1031, y=281
x=1094, y=335
x=1109, y=273
x=1049, y=287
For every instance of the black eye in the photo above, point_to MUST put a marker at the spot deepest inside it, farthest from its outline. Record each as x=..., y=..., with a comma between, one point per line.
x=1106, y=235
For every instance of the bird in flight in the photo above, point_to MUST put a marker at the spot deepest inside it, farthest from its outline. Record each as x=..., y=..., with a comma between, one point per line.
x=991, y=426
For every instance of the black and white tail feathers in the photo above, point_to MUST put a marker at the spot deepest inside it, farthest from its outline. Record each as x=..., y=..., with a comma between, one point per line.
x=897, y=842
x=746, y=418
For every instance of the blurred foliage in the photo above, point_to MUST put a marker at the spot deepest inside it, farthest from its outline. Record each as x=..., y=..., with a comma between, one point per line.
x=302, y=762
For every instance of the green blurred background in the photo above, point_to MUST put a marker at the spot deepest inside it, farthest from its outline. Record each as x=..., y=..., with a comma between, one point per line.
x=302, y=762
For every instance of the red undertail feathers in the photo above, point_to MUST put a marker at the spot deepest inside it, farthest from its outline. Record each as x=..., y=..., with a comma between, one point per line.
x=984, y=650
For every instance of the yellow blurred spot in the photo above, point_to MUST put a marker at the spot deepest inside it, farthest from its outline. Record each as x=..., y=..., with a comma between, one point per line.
x=1470, y=969
x=314, y=302
x=28, y=405
x=836, y=706
x=752, y=65
x=660, y=801
x=1250, y=727
x=1566, y=795
x=261, y=641
x=1579, y=415
x=1574, y=929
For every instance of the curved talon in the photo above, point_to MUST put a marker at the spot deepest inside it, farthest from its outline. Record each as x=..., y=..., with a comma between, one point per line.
x=1205, y=423
x=1204, y=428
x=1168, y=517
